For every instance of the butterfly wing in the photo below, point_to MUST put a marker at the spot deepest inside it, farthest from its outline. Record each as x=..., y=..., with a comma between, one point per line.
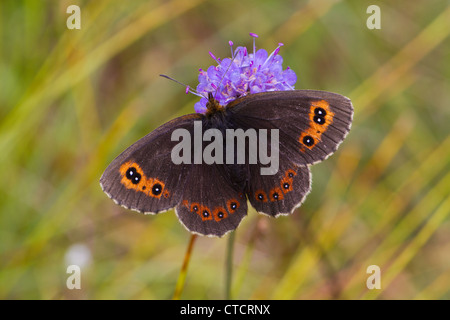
x=211, y=205
x=143, y=177
x=311, y=123
x=281, y=193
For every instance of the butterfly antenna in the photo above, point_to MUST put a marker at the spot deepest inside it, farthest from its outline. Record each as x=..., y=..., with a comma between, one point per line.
x=188, y=88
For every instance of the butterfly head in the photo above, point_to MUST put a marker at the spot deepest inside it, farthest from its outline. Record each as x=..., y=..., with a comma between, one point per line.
x=213, y=106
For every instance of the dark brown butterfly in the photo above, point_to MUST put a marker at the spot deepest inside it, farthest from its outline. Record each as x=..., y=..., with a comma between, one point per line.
x=211, y=199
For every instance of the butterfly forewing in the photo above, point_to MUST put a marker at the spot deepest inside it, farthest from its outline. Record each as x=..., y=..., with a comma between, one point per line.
x=143, y=177
x=311, y=123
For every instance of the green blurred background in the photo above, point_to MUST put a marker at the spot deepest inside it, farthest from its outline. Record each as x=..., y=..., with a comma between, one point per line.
x=72, y=100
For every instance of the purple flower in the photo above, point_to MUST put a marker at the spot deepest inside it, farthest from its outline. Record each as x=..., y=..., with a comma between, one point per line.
x=242, y=74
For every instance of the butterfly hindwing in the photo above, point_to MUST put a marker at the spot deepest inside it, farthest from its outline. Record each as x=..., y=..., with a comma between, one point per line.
x=281, y=193
x=211, y=204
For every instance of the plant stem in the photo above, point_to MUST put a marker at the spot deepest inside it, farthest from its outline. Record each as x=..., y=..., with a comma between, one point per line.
x=229, y=265
x=182, y=276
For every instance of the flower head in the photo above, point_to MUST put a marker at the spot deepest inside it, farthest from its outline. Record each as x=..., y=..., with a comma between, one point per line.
x=243, y=73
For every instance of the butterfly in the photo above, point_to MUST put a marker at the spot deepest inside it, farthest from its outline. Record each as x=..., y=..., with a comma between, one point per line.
x=212, y=198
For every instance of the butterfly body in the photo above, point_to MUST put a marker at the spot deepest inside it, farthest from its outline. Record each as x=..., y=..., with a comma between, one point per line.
x=211, y=198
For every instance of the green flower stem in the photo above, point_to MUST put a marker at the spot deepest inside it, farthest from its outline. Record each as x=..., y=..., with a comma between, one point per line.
x=229, y=265
x=182, y=276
